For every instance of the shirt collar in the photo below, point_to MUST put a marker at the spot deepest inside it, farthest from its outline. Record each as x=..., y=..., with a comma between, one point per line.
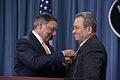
x=84, y=41
x=37, y=36
x=40, y=40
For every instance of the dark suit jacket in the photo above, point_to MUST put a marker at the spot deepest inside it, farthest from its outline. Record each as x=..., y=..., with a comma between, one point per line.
x=91, y=61
x=32, y=60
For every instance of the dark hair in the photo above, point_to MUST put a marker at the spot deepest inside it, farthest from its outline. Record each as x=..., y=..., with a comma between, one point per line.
x=46, y=17
x=89, y=20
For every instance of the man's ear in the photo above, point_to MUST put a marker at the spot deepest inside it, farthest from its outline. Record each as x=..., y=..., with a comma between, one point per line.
x=89, y=29
x=40, y=24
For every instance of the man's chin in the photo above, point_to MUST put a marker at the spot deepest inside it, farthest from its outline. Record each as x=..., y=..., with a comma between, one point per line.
x=76, y=39
x=48, y=39
x=51, y=38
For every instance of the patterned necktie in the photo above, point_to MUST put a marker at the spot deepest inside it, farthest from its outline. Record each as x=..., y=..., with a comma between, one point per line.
x=45, y=47
x=76, y=53
x=78, y=50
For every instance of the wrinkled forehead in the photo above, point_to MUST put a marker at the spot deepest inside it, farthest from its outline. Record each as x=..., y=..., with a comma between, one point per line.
x=53, y=23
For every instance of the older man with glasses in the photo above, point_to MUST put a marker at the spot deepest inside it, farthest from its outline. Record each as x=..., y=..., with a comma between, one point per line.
x=34, y=56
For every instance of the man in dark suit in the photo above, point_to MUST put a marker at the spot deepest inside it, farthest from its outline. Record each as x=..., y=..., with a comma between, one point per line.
x=34, y=56
x=91, y=61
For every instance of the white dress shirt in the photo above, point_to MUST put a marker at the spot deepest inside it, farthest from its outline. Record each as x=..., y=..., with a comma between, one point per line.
x=40, y=39
x=84, y=41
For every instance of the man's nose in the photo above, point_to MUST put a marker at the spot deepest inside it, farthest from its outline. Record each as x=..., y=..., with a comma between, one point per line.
x=73, y=32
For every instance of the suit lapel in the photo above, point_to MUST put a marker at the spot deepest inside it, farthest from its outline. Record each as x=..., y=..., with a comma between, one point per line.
x=51, y=48
x=37, y=45
x=87, y=42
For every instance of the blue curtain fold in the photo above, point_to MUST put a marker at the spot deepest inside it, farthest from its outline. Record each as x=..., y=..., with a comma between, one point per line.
x=16, y=20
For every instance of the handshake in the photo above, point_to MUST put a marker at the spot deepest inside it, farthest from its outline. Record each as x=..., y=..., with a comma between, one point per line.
x=70, y=55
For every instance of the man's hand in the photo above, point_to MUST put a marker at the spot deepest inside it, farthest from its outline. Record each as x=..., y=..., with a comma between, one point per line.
x=69, y=55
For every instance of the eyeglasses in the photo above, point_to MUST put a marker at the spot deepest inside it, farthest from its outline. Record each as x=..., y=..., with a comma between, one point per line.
x=76, y=27
x=52, y=28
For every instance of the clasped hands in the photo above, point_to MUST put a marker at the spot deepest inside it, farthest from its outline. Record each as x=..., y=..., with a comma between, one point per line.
x=70, y=55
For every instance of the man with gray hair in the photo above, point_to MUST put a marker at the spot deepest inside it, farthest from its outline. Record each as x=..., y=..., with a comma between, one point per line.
x=91, y=61
x=34, y=56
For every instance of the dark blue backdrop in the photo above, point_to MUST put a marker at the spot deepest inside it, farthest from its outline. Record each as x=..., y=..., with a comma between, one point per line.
x=17, y=16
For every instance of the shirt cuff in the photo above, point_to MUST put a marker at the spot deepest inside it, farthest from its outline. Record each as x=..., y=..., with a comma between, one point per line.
x=63, y=53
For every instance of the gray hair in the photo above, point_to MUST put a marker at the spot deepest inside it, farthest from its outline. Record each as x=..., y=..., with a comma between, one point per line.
x=89, y=20
x=45, y=17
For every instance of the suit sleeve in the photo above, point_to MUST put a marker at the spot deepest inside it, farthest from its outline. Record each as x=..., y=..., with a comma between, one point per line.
x=26, y=53
x=92, y=65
